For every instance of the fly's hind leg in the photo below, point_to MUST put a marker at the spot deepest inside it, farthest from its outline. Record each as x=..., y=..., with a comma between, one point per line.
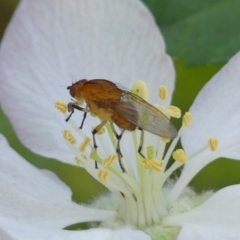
x=94, y=131
x=141, y=143
x=119, y=137
x=118, y=150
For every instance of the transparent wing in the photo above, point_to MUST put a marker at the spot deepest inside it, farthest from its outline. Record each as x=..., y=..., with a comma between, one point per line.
x=139, y=112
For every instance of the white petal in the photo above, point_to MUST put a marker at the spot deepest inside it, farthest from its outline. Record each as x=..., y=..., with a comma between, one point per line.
x=206, y=232
x=19, y=231
x=216, y=113
x=130, y=234
x=190, y=170
x=31, y=197
x=49, y=44
x=217, y=218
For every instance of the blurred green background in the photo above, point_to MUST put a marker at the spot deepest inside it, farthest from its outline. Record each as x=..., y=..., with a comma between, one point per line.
x=198, y=51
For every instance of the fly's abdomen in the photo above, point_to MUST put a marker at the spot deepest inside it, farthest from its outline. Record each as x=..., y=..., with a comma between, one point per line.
x=123, y=123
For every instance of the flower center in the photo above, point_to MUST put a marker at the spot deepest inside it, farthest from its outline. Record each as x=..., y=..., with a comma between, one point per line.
x=140, y=188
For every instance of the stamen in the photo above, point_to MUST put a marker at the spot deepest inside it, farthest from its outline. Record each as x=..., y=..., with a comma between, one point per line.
x=69, y=137
x=110, y=160
x=94, y=156
x=152, y=164
x=103, y=176
x=213, y=144
x=163, y=92
x=85, y=144
x=150, y=152
x=187, y=119
x=140, y=88
x=180, y=156
x=173, y=111
x=156, y=165
x=147, y=163
x=61, y=106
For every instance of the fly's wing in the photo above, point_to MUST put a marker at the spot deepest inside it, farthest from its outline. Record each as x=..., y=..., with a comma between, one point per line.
x=139, y=112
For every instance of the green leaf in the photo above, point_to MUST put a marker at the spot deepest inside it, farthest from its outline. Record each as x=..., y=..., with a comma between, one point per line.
x=200, y=32
x=6, y=10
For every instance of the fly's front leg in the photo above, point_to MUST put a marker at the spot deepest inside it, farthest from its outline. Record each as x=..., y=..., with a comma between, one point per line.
x=118, y=150
x=94, y=131
x=84, y=117
x=72, y=106
x=141, y=143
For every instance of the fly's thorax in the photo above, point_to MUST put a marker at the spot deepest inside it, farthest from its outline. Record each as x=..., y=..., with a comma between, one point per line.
x=103, y=113
x=101, y=96
x=99, y=90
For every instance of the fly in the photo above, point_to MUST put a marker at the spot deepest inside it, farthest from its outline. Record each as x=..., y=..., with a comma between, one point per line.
x=117, y=106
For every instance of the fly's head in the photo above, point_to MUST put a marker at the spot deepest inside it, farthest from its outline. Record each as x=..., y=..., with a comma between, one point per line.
x=75, y=91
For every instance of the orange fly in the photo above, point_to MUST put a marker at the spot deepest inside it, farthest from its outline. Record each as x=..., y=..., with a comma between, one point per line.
x=123, y=108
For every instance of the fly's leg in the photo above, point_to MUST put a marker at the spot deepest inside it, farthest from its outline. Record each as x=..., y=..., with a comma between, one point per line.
x=118, y=150
x=84, y=117
x=141, y=143
x=71, y=107
x=118, y=143
x=94, y=131
x=118, y=136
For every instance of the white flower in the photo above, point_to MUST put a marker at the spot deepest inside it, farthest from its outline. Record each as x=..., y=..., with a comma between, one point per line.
x=49, y=42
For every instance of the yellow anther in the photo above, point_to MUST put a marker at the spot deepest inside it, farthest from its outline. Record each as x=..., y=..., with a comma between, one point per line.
x=156, y=165
x=179, y=155
x=146, y=163
x=86, y=142
x=140, y=88
x=103, y=176
x=110, y=160
x=213, y=144
x=163, y=92
x=173, y=111
x=165, y=140
x=61, y=106
x=100, y=131
x=78, y=161
x=69, y=137
x=187, y=119
x=150, y=152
